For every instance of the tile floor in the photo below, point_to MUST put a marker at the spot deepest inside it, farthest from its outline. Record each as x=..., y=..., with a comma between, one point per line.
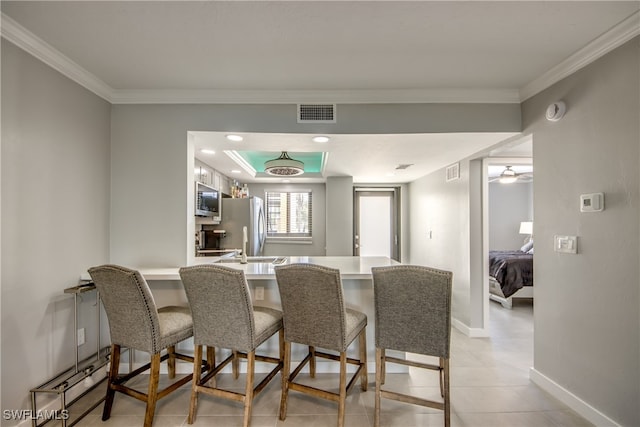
x=490, y=387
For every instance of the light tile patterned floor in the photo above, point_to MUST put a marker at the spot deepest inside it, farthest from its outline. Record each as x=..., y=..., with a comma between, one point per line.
x=490, y=387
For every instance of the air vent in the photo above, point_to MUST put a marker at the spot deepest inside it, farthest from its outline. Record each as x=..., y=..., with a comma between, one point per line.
x=453, y=172
x=316, y=113
x=403, y=166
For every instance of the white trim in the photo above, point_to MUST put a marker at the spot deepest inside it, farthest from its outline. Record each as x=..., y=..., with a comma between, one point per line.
x=583, y=408
x=290, y=240
x=617, y=36
x=240, y=161
x=382, y=96
x=470, y=332
x=30, y=43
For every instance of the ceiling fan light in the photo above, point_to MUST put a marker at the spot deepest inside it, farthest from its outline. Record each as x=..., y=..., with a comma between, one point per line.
x=508, y=176
x=508, y=180
x=284, y=166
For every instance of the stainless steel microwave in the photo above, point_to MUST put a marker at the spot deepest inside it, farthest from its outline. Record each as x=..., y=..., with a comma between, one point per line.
x=208, y=202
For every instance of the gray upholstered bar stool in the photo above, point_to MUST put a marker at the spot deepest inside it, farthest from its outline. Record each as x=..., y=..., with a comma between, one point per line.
x=315, y=316
x=136, y=323
x=224, y=317
x=413, y=314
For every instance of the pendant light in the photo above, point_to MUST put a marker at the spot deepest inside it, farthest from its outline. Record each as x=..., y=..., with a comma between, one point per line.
x=284, y=166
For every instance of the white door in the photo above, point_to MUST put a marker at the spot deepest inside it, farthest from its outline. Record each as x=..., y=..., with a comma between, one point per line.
x=375, y=228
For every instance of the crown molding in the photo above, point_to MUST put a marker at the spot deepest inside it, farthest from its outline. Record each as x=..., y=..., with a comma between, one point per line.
x=615, y=37
x=30, y=43
x=315, y=96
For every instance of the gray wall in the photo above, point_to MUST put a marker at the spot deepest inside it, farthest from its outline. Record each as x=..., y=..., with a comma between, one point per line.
x=587, y=337
x=55, y=218
x=509, y=204
x=340, y=216
x=439, y=232
x=151, y=162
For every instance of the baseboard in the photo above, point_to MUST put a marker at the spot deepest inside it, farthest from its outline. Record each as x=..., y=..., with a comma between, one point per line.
x=571, y=400
x=468, y=331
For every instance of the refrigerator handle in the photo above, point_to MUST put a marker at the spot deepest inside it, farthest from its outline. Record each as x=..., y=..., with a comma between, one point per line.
x=262, y=228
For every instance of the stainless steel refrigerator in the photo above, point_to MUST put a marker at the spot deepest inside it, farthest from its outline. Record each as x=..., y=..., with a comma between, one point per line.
x=238, y=213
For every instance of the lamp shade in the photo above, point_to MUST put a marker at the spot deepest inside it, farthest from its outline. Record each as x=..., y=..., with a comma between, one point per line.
x=526, y=227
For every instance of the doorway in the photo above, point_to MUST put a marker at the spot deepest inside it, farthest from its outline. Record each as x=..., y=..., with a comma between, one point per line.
x=376, y=222
x=506, y=205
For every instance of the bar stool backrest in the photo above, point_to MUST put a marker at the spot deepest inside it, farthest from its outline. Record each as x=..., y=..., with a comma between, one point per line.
x=221, y=306
x=312, y=305
x=413, y=309
x=130, y=307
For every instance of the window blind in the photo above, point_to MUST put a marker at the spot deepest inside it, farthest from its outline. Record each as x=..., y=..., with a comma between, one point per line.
x=289, y=214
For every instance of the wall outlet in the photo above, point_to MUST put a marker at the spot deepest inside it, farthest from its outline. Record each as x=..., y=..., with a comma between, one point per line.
x=80, y=336
x=259, y=293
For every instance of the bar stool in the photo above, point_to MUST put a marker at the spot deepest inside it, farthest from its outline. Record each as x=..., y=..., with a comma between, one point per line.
x=223, y=316
x=315, y=316
x=136, y=323
x=413, y=314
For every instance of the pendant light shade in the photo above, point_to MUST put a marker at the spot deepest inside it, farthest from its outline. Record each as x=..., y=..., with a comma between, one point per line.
x=284, y=166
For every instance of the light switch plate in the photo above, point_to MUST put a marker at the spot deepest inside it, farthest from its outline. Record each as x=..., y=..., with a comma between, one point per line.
x=565, y=244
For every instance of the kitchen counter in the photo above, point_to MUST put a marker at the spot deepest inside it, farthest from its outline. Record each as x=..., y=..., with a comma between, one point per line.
x=350, y=267
x=355, y=273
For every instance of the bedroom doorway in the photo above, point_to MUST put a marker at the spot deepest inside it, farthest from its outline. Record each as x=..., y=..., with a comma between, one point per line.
x=508, y=207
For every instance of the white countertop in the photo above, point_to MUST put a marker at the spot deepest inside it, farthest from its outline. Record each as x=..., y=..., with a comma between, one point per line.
x=350, y=267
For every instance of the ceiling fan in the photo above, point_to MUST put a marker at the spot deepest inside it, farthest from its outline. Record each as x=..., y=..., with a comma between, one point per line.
x=509, y=176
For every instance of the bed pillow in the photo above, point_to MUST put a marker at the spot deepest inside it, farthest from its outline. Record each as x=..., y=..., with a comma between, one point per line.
x=527, y=246
x=530, y=251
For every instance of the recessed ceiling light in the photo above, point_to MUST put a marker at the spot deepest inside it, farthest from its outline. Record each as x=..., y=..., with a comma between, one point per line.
x=235, y=138
x=207, y=151
x=286, y=181
x=236, y=171
x=320, y=139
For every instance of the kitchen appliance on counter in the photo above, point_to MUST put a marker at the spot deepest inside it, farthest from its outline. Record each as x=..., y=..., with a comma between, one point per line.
x=238, y=213
x=209, y=243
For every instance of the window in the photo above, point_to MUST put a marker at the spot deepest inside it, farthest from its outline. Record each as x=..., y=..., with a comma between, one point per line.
x=289, y=214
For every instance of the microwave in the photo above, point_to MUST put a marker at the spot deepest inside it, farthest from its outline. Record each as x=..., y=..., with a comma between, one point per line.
x=208, y=202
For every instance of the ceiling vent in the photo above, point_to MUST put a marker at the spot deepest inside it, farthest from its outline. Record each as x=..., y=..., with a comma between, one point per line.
x=403, y=166
x=453, y=172
x=316, y=113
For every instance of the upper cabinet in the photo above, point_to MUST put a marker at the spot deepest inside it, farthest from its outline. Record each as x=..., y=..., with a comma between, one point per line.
x=211, y=177
x=204, y=175
x=217, y=181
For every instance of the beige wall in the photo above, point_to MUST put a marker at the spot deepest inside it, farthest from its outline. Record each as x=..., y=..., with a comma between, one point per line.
x=587, y=306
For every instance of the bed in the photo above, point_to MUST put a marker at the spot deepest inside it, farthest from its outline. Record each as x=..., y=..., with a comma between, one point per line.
x=511, y=275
